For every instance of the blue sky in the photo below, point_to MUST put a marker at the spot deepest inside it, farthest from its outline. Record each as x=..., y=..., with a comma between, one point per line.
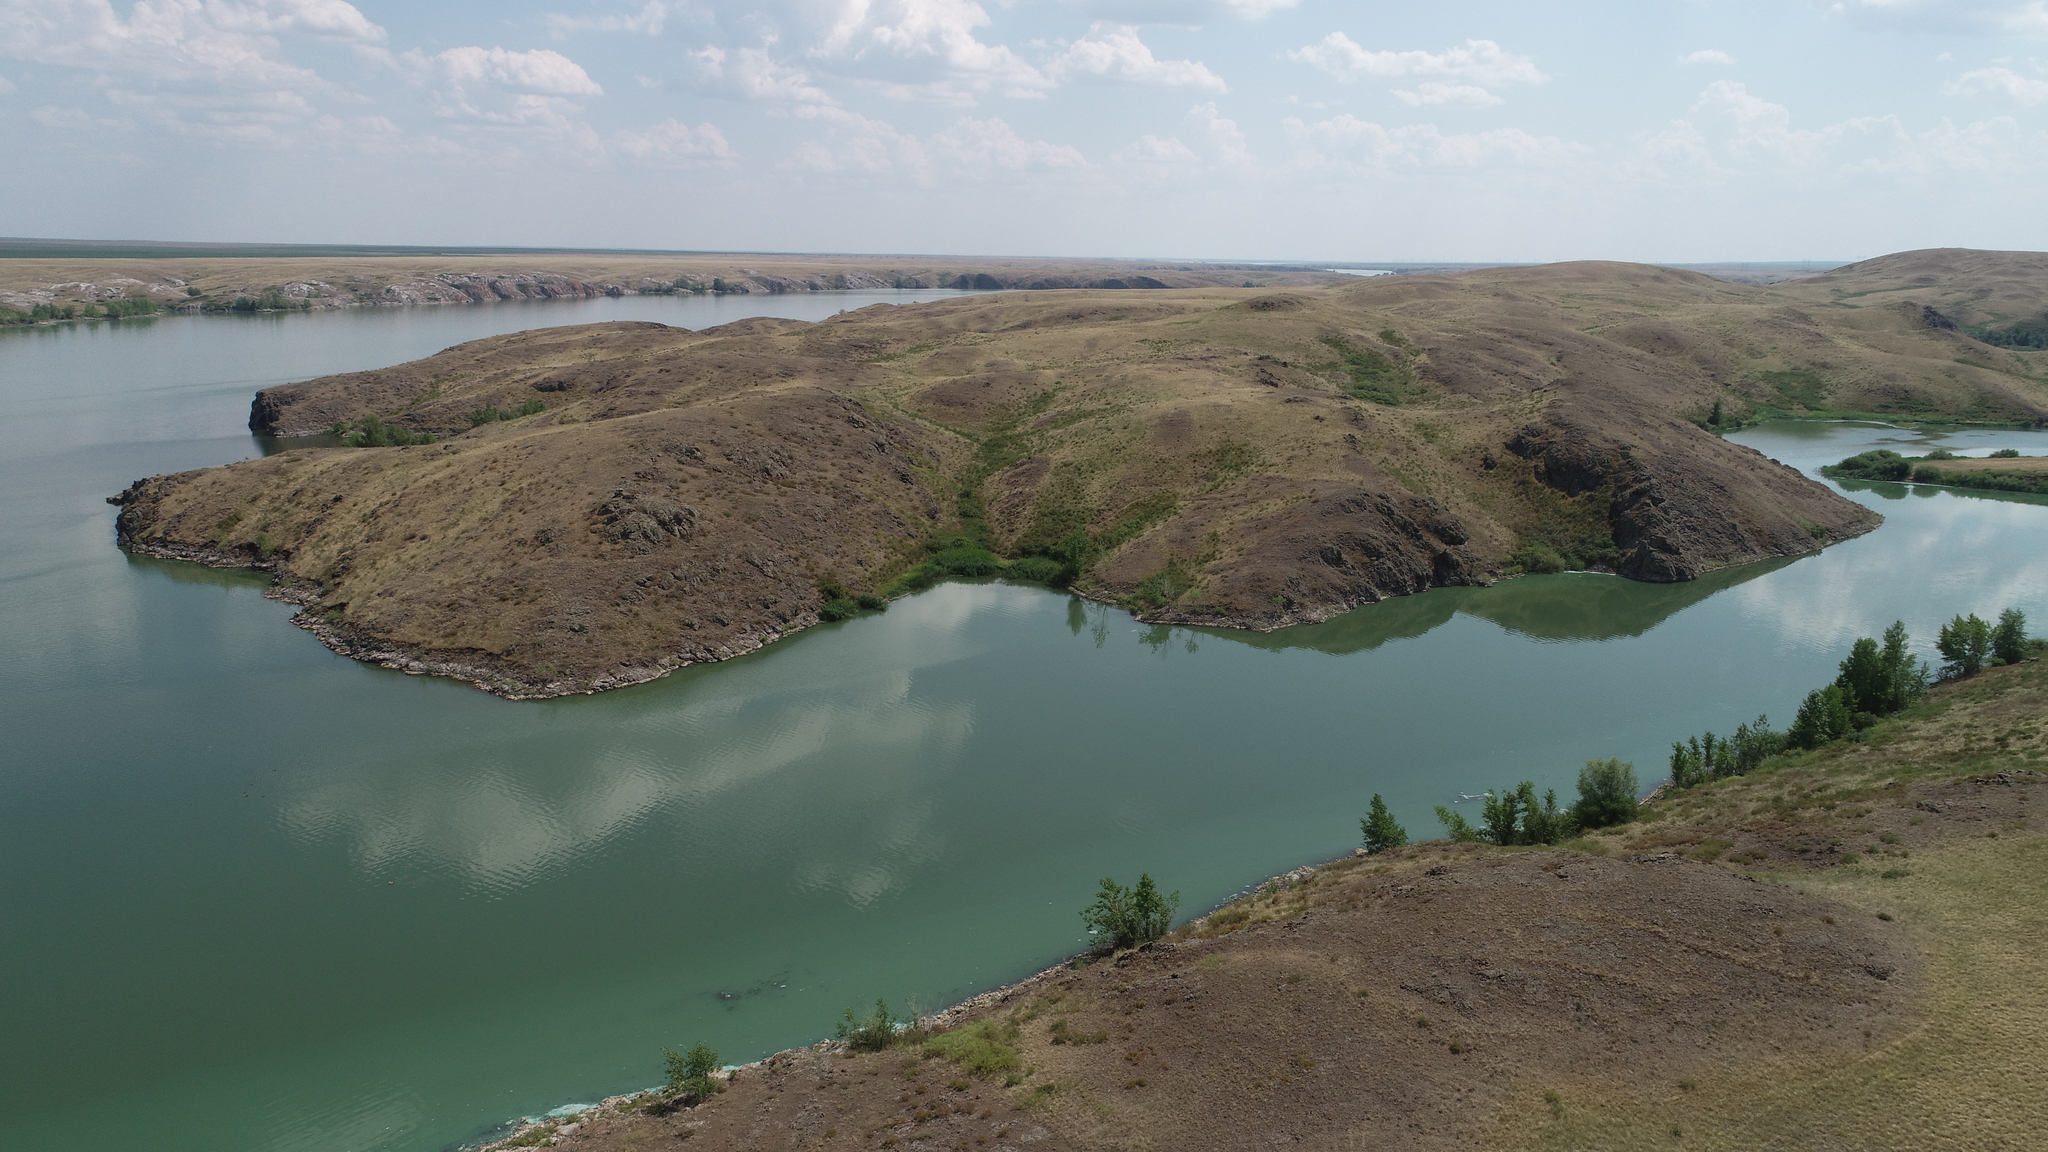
x=1669, y=130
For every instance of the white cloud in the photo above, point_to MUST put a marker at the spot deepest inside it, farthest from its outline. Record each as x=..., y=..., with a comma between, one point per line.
x=541, y=72
x=856, y=143
x=1707, y=56
x=1223, y=135
x=968, y=148
x=2000, y=82
x=1744, y=135
x=1438, y=92
x=1480, y=61
x=979, y=147
x=219, y=42
x=1114, y=52
x=648, y=21
x=894, y=37
x=6, y=85
x=673, y=142
x=751, y=74
x=1364, y=142
x=1156, y=157
x=72, y=119
x=1258, y=9
x=2025, y=18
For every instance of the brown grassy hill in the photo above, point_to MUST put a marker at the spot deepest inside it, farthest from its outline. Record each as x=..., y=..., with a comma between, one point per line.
x=1224, y=456
x=1846, y=950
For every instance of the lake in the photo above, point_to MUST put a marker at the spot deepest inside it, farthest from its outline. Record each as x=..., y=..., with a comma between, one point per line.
x=257, y=896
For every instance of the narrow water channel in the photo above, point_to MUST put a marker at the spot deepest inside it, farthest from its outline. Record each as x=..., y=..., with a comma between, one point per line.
x=256, y=896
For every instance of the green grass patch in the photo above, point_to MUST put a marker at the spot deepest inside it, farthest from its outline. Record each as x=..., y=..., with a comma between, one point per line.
x=1368, y=375
x=984, y=1048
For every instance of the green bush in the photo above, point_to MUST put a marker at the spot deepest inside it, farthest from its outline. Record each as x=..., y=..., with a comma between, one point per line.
x=1127, y=917
x=2006, y=454
x=880, y=1030
x=967, y=561
x=870, y=602
x=1607, y=794
x=370, y=432
x=691, y=1071
x=840, y=609
x=1380, y=830
x=1878, y=464
x=491, y=412
x=1038, y=570
x=1537, y=557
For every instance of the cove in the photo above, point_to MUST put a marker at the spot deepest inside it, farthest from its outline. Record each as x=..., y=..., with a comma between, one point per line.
x=257, y=896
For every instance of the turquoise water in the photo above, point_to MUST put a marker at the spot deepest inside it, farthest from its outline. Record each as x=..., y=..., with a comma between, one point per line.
x=256, y=896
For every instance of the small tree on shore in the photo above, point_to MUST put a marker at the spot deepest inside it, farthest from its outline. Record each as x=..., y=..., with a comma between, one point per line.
x=691, y=1071
x=2009, y=638
x=1964, y=644
x=1607, y=793
x=1127, y=917
x=1381, y=832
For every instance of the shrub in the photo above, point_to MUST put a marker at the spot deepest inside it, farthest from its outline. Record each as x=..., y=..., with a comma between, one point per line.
x=878, y=1032
x=1127, y=917
x=1537, y=557
x=691, y=1071
x=840, y=609
x=870, y=602
x=1379, y=828
x=1607, y=793
x=2006, y=454
x=1878, y=464
x=1038, y=570
x=370, y=432
x=984, y=1047
x=2009, y=638
x=966, y=561
x=1964, y=644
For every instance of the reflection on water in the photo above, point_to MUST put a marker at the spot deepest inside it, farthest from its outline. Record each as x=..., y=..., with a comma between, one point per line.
x=1567, y=606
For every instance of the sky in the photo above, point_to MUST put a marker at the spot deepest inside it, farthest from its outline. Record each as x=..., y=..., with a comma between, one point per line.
x=1469, y=130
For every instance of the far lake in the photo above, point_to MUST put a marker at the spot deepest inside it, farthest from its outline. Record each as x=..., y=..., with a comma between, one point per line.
x=255, y=896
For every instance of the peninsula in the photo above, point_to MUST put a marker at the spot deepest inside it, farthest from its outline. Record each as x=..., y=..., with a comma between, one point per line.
x=574, y=509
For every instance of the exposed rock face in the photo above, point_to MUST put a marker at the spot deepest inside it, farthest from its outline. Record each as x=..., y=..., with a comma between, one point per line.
x=1243, y=458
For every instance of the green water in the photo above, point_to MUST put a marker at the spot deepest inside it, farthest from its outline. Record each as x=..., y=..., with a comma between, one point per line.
x=255, y=896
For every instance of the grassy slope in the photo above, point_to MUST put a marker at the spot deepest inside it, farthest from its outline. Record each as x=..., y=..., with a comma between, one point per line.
x=1848, y=949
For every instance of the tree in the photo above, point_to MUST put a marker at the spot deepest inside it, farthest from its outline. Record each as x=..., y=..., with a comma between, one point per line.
x=1607, y=793
x=1863, y=677
x=1381, y=832
x=691, y=1071
x=1502, y=816
x=1905, y=674
x=1545, y=823
x=2009, y=639
x=1964, y=644
x=1456, y=826
x=875, y=1033
x=1127, y=917
x=1823, y=716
